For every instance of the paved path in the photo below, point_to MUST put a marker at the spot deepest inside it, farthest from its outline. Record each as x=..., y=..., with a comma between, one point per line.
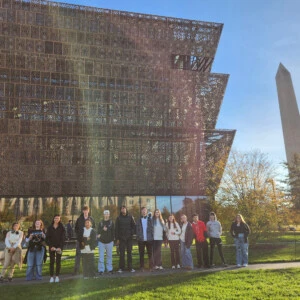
x=20, y=281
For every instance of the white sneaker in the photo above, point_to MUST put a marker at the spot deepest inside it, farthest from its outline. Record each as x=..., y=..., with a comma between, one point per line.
x=56, y=279
x=245, y=265
x=132, y=270
x=238, y=265
x=156, y=267
x=173, y=267
x=161, y=267
x=51, y=280
x=178, y=266
x=120, y=271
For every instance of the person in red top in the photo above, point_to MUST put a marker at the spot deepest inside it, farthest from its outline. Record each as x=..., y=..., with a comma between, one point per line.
x=200, y=232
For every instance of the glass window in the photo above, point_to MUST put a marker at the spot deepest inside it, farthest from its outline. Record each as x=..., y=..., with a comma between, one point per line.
x=189, y=205
x=163, y=203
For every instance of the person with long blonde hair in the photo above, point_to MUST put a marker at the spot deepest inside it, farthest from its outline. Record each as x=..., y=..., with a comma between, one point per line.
x=173, y=234
x=240, y=231
x=36, y=251
x=158, y=235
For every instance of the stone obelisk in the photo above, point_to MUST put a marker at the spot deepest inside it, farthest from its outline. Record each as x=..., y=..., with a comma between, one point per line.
x=290, y=118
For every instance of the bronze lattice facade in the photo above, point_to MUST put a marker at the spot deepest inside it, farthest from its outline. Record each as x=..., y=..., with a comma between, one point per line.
x=101, y=102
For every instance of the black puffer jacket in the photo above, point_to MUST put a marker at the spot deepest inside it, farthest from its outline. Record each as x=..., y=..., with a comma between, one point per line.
x=125, y=227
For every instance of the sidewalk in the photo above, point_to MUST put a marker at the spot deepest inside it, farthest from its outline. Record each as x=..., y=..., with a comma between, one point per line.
x=21, y=281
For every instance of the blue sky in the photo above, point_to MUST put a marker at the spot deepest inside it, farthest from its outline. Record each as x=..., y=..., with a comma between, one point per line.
x=257, y=36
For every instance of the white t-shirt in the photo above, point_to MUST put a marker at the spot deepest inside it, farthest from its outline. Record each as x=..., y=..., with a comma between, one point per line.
x=145, y=225
x=87, y=234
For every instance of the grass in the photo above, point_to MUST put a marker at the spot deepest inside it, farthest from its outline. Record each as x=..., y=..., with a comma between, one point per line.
x=238, y=284
x=227, y=284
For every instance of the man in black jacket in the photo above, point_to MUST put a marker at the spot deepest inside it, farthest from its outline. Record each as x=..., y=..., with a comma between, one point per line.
x=125, y=228
x=79, y=225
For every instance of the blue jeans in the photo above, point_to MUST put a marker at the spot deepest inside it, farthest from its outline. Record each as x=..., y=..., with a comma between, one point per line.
x=186, y=256
x=241, y=250
x=35, y=263
x=108, y=248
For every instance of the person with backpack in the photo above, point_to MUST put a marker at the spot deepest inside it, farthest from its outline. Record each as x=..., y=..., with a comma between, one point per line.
x=106, y=236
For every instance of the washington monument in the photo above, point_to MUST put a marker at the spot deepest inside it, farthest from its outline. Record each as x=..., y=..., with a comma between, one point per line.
x=290, y=118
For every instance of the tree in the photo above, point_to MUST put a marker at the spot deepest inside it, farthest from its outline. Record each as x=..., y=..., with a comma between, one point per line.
x=6, y=213
x=246, y=188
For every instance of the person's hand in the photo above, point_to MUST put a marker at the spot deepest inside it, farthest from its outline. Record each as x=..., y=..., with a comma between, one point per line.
x=117, y=242
x=98, y=236
x=52, y=249
x=58, y=249
x=12, y=250
x=105, y=228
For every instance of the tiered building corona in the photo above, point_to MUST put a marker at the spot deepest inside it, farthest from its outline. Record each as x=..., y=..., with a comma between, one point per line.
x=103, y=103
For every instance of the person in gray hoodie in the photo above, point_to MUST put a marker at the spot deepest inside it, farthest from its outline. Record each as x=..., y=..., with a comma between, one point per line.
x=214, y=230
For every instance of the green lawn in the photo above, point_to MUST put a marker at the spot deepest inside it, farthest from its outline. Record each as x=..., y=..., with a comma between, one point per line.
x=237, y=284
x=227, y=284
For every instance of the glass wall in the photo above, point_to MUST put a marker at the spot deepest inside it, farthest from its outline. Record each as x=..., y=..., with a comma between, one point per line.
x=29, y=209
x=163, y=203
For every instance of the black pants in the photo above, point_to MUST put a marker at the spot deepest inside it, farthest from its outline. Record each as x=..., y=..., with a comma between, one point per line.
x=149, y=247
x=55, y=257
x=202, y=249
x=157, y=253
x=125, y=245
x=218, y=242
x=175, y=256
x=77, y=258
x=88, y=264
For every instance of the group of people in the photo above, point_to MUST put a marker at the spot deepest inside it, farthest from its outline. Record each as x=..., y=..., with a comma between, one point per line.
x=151, y=232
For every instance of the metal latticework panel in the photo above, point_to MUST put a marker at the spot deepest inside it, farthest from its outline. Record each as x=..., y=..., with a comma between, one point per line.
x=102, y=102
